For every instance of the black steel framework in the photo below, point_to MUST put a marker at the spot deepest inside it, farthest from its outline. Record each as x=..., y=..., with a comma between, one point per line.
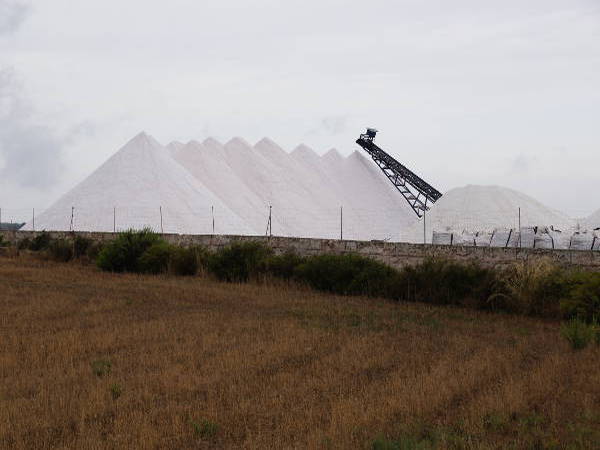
x=417, y=192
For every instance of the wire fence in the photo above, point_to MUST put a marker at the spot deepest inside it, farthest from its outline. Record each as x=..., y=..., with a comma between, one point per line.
x=523, y=229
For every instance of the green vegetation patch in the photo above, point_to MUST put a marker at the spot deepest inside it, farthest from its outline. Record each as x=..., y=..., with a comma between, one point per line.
x=205, y=429
x=348, y=274
x=40, y=242
x=239, y=262
x=61, y=250
x=101, y=367
x=123, y=254
x=578, y=333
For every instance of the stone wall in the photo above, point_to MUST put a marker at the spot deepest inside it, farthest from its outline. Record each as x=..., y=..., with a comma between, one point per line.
x=394, y=254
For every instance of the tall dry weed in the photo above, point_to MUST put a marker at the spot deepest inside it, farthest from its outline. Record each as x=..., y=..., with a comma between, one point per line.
x=531, y=288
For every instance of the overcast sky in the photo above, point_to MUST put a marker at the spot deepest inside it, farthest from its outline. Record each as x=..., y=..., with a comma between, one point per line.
x=463, y=92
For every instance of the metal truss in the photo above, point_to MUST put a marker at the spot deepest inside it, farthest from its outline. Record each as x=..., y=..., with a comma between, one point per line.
x=415, y=190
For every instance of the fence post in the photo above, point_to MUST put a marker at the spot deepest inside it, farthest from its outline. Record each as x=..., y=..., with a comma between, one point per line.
x=114, y=219
x=270, y=224
x=424, y=228
x=212, y=211
x=71, y=224
x=509, y=236
x=161, y=220
x=520, y=233
x=342, y=223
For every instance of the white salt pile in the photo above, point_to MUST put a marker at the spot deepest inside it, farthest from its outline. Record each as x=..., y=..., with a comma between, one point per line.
x=487, y=208
x=593, y=221
x=131, y=188
x=374, y=204
x=206, y=162
x=174, y=147
x=200, y=185
x=297, y=188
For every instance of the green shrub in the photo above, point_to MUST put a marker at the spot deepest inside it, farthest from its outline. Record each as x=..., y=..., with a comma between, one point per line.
x=404, y=442
x=101, y=367
x=122, y=254
x=495, y=422
x=24, y=244
x=382, y=443
x=442, y=281
x=239, y=262
x=205, y=429
x=115, y=391
x=81, y=246
x=283, y=266
x=348, y=274
x=186, y=261
x=94, y=250
x=155, y=259
x=583, y=299
x=40, y=242
x=61, y=250
x=578, y=333
x=3, y=243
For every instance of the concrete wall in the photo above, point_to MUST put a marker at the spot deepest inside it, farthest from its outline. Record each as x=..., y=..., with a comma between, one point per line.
x=395, y=254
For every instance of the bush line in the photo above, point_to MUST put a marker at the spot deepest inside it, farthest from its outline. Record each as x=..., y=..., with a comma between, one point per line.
x=542, y=289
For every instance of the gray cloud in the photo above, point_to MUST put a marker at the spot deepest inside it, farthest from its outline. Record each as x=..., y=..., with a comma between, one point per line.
x=29, y=152
x=523, y=164
x=330, y=126
x=12, y=14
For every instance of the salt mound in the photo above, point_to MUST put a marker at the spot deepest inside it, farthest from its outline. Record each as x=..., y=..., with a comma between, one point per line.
x=307, y=156
x=279, y=181
x=593, y=221
x=206, y=162
x=174, y=147
x=250, y=167
x=333, y=158
x=136, y=181
x=306, y=201
x=374, y=209
x=486, y=208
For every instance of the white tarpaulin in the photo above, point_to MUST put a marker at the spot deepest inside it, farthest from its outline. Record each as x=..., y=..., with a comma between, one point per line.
x=582, y=241
x=501, y=237
x=561, y=240
x=543, y=240
x=527, y=237
x=465, y=239
x=441, y=238
x=513, y=242
x=483, y=239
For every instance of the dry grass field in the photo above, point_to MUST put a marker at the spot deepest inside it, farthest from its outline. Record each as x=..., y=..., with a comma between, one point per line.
x=93, y=360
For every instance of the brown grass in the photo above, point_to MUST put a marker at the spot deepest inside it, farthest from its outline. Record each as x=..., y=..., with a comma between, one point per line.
x=274, y=367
